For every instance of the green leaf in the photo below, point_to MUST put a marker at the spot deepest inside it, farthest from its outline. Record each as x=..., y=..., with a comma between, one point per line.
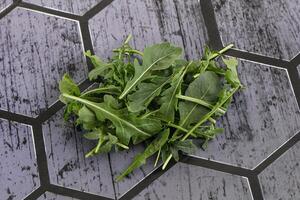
x=113, y=139
x=156, y=57
x=213, y=132
x=127, y=125
x=105, y=147
x=168, y=100
x=186, y=146
x=71, y=108
x=87, y=118
x=100, y=67
x=151, y=149
x=93, y=135
x=68, y=86
x=145, y=93
x=231, y=72
x=165, y=152
x=206, y=87
x=174, y=153
x=215, y=68
x=161, y=56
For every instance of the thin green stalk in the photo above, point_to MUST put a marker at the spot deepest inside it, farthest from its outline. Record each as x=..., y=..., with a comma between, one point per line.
x=128, y=39
x=157, y=157
x=133, y=51
x=186, y=131
x=167, y=161
x=201, y=102
x=90, y=153
x=149, y=113
x=98, y=90
x=98, y=145
x=122, y=145
x=177, y=127
x=221, y=51
x=208, y=115
x=212, y=120
x=214, y=56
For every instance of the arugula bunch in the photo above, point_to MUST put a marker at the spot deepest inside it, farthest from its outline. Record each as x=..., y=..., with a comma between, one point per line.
x=154, y=97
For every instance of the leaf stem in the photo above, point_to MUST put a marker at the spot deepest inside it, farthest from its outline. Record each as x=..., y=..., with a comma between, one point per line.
x=208, y=115
x=149, y=114
x=177, y=127
x=122, y=145
x=212, y=120
x=98, y=145
x=167, y=161
x=185, y=130
x=157, y=157
x=128, y=39
x=226, y=48
x=134, y=51
x=104, y=90
x=221, y=51
x=90, y=153
x=201, y=102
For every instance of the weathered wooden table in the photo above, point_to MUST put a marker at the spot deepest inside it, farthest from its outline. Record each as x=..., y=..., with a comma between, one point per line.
x=42, y=157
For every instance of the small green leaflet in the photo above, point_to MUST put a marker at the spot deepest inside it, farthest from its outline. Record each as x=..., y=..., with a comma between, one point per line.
x=151, y=149
x=100, y=66
x=205, y=87
x=87, y=118
x=94, y=135
x=231, y=74
x=156, y=57
x=68, y=86
x=168, y=99
x=146, y=92
x=186, y=146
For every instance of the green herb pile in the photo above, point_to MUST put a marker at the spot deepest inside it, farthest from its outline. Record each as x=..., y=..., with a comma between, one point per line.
x=155, y=97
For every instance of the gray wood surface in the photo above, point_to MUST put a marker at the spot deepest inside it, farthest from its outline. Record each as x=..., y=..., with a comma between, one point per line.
x=65, y=148
x=78, y=7
x=35, y=51
x=188, y=182
x=149, y=22
x=4, y=4
x=281, y=180
x=18, y=169
x=52, y=196
x=263, y=26
x=260, y=119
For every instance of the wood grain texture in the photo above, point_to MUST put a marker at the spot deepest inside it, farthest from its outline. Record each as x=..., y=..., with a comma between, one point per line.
x=72, y=6
x=187, y=182
x=4, y=4
x=18, y=168
x=35, y=51
x=261, y=118
x=149, y=22
x=65, y=148
x=52, y=196
x=266, y=27
x=281, y=180
x=192, y=27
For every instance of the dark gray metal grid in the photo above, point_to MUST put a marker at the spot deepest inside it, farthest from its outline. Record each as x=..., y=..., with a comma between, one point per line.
x=214, y=42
